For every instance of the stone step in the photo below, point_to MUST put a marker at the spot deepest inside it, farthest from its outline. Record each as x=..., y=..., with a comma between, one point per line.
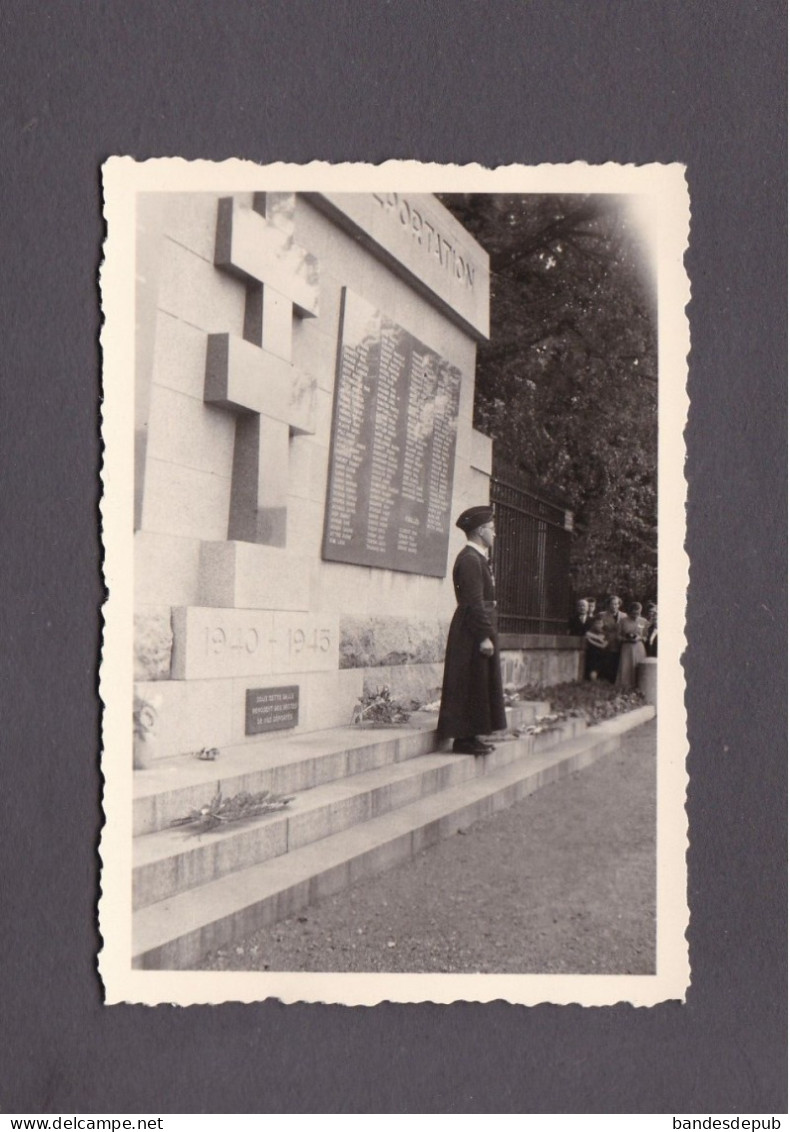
x=175, y=933
x=173, y=860
x=172, y=787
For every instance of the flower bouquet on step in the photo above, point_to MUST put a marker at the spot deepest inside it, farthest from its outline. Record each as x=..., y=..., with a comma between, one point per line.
x=379, y=709
x=220, y=812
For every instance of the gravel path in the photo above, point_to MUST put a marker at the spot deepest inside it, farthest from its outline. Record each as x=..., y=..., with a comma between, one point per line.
x=563, y=882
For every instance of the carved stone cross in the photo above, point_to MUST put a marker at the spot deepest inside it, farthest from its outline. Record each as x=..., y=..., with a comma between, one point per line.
x=254, y=376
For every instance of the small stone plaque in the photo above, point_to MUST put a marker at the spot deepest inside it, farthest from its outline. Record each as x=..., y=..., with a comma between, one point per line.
x=271, y=709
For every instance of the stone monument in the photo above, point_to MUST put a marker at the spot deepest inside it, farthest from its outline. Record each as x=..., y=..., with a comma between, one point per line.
x=303, y=436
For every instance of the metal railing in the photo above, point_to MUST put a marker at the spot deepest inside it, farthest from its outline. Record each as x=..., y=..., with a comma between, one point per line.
x=531, y=560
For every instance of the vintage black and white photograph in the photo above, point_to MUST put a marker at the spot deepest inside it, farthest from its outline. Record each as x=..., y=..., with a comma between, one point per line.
x=393, y=510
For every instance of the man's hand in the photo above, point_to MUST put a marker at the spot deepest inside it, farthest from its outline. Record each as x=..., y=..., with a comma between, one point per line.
x=487, y=647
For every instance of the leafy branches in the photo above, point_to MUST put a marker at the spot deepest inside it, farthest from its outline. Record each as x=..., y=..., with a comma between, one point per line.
x=567, y=385
x=220, y=812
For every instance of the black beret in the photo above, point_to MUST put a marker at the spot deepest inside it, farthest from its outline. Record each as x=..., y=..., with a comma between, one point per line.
x=474, y=517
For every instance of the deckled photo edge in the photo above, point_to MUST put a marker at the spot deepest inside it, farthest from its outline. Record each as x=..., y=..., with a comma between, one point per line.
x=123, y=180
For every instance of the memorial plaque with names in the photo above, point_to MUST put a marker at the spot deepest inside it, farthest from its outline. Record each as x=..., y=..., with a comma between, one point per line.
x=393, y=447
x=271, y=709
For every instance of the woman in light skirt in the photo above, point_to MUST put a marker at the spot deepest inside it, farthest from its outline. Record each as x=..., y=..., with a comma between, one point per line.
x=631, y=633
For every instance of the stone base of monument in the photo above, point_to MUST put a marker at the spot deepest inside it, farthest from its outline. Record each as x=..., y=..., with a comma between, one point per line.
x=363, y=802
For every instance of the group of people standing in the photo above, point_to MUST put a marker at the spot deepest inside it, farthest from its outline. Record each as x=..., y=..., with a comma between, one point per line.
x=615, y=640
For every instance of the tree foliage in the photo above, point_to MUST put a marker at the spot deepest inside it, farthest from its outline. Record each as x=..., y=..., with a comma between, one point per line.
x=567, y=385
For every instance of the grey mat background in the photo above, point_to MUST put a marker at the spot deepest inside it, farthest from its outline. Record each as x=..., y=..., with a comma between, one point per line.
x=495, y=82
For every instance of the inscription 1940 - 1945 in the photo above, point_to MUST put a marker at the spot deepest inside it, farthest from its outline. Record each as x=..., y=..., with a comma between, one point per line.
x=393, y=449
x=271, y=709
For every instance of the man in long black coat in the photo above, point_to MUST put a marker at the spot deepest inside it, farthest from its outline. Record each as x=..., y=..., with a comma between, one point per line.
x=472, y=698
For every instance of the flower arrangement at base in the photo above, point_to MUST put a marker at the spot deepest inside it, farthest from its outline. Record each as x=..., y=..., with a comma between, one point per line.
x=239, y=807
x=380, y=708
x=595, y=700
x=145, y=717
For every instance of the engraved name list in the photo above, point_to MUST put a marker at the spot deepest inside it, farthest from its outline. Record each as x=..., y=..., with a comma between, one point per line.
x=393, y=450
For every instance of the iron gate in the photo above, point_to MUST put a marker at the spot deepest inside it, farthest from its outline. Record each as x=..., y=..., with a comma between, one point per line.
x=531, y=561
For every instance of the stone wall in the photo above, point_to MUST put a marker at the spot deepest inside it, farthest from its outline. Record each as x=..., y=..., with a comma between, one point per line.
x=537, y=659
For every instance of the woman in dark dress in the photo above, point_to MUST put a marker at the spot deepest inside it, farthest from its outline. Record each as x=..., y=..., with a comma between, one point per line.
x=472, y=697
